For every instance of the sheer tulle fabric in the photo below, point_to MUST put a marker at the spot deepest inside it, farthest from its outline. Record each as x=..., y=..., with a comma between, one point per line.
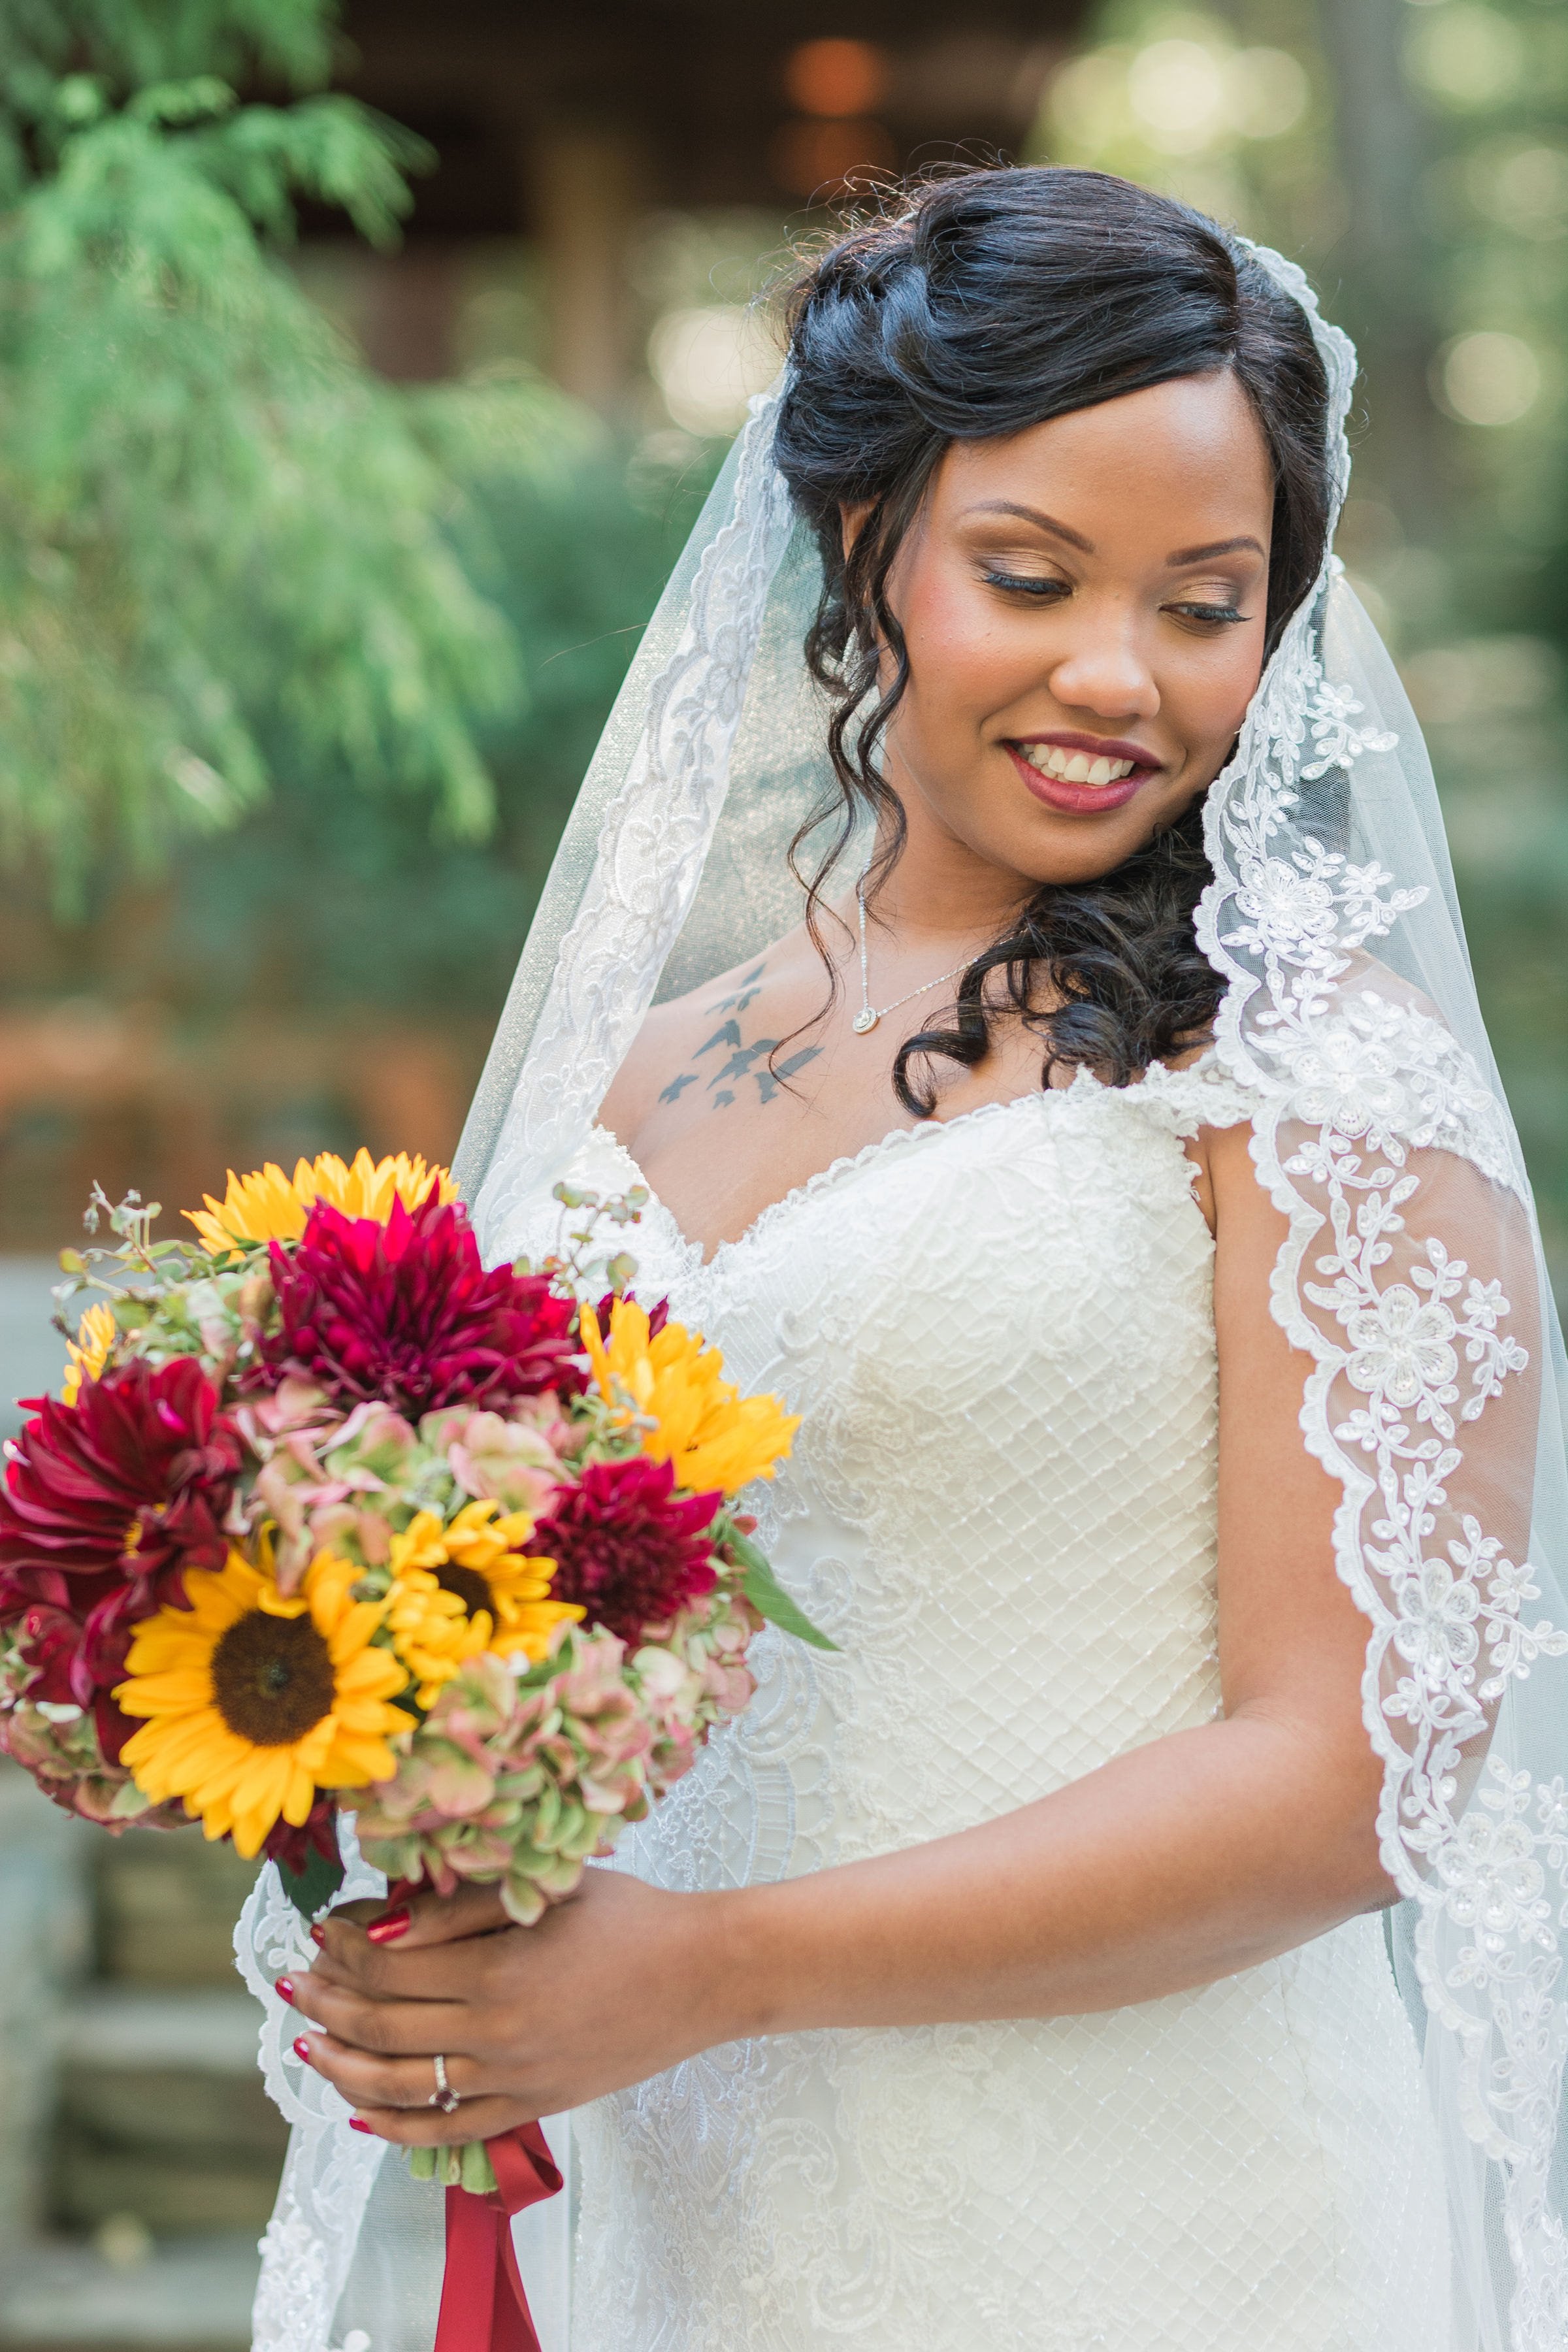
x=1412, y=1282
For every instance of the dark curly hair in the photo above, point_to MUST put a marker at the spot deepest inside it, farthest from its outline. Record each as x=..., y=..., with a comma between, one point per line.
x=980, y=304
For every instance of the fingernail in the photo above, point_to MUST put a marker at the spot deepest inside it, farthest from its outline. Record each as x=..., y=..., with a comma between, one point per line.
x=355, y=2125
x=302, y=2049
x=285, y=1989
x=319, y=1938
x=387, y=1930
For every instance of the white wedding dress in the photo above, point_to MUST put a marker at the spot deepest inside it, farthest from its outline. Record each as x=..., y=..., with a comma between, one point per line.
x=1002, y=1504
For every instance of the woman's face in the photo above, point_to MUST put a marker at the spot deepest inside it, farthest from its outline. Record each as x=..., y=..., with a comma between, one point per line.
x=1084, y=607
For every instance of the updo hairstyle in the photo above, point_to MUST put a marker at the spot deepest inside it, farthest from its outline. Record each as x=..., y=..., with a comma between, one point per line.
x=984, y=303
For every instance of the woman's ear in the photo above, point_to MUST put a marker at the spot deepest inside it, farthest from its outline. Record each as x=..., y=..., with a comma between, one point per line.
x=851, y=520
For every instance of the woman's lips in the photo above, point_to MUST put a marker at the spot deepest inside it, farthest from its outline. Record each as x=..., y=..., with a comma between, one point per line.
x=1058, y=793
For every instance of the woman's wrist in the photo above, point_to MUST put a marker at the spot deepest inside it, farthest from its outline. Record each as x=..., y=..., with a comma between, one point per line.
x=742, y=1962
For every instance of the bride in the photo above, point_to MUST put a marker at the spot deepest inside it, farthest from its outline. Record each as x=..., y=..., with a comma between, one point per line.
x=1142, y=1932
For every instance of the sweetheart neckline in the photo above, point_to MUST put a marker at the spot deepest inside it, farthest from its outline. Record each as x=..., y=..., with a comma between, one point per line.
x=824, y=1179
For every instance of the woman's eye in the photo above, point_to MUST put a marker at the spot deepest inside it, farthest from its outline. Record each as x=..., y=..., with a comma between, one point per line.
x=1024, y=584
x=1199, y=611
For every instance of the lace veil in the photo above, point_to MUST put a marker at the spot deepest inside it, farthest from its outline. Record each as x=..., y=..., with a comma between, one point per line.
x=1412, y=1280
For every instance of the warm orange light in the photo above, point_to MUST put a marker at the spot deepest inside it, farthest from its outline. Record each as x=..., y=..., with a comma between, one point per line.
x=823, y=158
x=835, y=77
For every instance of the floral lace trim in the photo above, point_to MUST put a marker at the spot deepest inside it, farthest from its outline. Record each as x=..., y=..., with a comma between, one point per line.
x=330, y=2172
x=656, y=834
x=1358, y=1080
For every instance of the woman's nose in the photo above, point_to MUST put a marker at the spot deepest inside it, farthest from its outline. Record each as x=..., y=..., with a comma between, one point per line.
x=1104, y=671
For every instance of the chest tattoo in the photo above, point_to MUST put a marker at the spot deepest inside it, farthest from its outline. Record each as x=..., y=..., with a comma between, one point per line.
x=739, y=1061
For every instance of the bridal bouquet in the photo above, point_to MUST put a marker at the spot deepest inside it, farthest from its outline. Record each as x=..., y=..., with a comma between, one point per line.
x=329, y=1518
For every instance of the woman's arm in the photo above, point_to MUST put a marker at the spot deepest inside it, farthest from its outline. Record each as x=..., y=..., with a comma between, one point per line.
x=1181, y=1861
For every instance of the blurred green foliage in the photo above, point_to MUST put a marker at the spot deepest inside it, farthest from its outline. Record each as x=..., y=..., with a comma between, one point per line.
x=334, y=899
x=225, y=548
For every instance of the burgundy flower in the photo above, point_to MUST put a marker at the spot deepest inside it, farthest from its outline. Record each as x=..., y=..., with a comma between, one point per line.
x=104, y=1503
x=78, y=1664
x=51, y=1643
x=406, y=1312
x=317, y=1834
x=626, y=1547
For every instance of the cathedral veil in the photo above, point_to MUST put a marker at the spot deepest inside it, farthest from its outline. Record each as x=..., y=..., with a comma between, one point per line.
x=1412, y=1281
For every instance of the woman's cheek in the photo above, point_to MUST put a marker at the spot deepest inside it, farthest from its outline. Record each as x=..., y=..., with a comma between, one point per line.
x=954, y=631
x=1211, y=713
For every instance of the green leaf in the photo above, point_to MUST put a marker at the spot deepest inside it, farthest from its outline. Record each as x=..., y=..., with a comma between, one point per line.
x=311, y=1889
x=767, y=1595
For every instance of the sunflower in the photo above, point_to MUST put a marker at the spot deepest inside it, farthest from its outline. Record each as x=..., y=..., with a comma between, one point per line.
x=89, y=1352
x=693, y=1417
x=468, y=1587
x=269, y=1206
x=254, y=1701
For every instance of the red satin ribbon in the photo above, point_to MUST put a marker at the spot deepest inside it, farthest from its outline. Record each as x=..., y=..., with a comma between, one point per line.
x=483, y=2306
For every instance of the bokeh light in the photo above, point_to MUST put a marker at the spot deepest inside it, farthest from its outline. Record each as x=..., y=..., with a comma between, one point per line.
x=1522, y=186
x=708, y=363
x=1470, y=56
x=1487, y=378
x=1266, y=92
x=821, y=158
x=837, y=77
x=1484, y=679
x=1181, y=96
x=1177, y=92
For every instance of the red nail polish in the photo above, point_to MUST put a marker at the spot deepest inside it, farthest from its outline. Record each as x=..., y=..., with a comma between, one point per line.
x=318, y=1936
x=302, y=2049
x=284, y=1988
x=355, y=2125
x=388, y=1929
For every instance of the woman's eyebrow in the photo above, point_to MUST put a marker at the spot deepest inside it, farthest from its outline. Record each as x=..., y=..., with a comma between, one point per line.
x=1214, y=547
x=1033, y=514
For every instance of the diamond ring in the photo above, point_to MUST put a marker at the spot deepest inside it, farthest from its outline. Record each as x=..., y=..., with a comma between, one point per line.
x=442, y=2096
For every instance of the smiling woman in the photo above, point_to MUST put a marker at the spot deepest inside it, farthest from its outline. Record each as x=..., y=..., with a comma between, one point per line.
x=1178, y=1469
x=1075, y=620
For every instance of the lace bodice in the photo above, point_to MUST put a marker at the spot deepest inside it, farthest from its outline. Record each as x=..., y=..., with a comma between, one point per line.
x=1001, y=1503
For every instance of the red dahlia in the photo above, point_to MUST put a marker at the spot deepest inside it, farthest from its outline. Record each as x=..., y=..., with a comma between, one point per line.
x=103, y=1505
x=406, y=1312
x=66, y=1672
x=317, y=1834
x=627, y=1547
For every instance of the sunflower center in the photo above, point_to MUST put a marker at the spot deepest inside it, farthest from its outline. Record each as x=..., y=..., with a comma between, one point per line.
x=272, y=1678
x=470, y=1586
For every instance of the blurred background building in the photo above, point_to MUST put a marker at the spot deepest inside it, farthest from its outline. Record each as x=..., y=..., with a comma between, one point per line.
x=347, y=430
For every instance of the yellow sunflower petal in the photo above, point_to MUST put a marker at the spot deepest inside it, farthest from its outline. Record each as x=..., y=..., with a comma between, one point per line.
x=211, y=1740
x=267, y=1206
x=88, y=1352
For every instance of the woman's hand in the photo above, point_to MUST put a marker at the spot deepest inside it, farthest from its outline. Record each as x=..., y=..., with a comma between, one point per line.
x=614, y=1985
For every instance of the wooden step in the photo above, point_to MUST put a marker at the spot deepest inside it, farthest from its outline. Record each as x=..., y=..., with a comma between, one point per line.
x=162, y=2113
x=187, y=2296
x=166, y=1902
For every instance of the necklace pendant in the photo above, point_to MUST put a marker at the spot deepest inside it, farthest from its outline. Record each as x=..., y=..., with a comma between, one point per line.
x=863, y=1021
